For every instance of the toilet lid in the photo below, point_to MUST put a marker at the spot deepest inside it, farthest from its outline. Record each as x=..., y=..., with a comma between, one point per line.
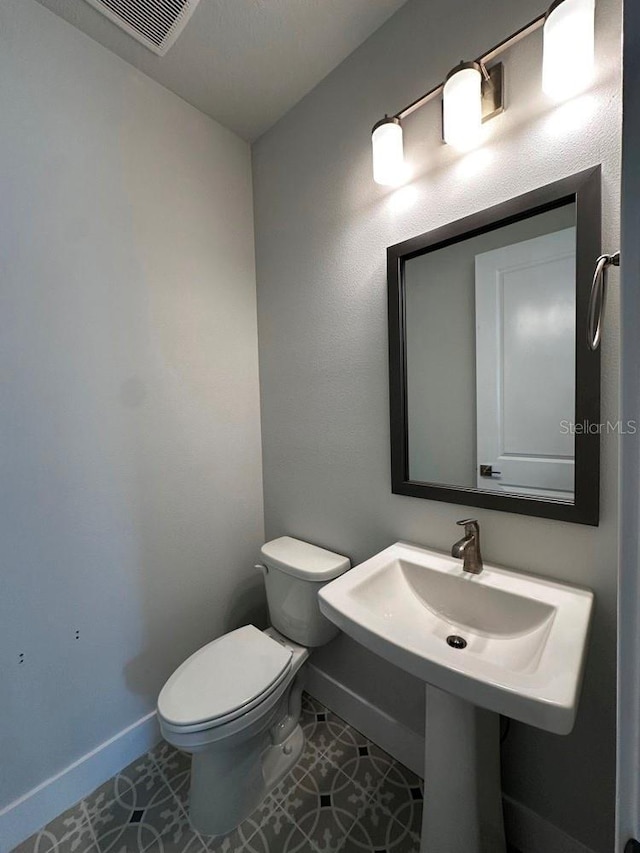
x=224, y=678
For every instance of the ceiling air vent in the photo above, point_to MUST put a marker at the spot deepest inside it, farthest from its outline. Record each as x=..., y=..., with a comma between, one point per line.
x=154, y=23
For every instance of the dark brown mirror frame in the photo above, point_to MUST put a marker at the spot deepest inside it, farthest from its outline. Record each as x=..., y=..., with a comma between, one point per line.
x=583, y=189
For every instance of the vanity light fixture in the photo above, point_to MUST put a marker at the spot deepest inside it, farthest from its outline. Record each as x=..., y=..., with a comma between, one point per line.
x=568, y=56
x=476, y=88
x=462, y=105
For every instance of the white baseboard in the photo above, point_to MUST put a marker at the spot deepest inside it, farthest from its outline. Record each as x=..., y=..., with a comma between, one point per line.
x=526, y=830
x=37, y=807
x=530, y=833
x=405, y=745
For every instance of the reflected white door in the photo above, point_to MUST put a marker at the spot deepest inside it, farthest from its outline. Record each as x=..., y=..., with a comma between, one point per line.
x=525, y=366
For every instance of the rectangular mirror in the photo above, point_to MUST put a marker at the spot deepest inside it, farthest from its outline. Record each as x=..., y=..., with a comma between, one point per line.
x=494, y=389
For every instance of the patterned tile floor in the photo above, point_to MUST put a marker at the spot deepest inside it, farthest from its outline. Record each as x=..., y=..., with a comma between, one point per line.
x=345, y=795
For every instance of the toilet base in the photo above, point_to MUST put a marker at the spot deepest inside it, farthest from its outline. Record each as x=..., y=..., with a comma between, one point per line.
x=227, y=786
x=280, y=758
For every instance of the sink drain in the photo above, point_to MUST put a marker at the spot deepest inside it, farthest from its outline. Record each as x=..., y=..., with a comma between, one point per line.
x=456, y=642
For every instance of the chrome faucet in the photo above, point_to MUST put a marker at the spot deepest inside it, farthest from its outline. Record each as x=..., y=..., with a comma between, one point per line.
x=469, y=546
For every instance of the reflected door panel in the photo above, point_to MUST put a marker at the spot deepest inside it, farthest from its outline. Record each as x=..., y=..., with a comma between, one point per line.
x=525, y=366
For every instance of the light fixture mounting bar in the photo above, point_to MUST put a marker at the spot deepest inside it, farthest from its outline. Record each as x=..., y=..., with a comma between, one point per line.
x=493, y=92
x=491, y=54
x=421, y=101
x=514, y=38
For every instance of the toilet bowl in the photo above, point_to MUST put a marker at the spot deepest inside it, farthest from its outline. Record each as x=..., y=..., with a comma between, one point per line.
x=235, y=703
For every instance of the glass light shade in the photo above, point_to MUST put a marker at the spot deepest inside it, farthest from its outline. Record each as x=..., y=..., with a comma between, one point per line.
x=568, y=58
x=462, y=112
x=388, y=152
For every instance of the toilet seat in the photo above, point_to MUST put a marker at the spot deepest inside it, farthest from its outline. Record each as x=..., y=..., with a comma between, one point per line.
x=224, y=680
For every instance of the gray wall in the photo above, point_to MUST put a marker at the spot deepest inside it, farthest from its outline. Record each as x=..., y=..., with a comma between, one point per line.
x=441, y=349
x=130, y=462
x=322, y=226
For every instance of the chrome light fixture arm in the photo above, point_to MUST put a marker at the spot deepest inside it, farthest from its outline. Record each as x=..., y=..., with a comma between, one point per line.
x=482, y=61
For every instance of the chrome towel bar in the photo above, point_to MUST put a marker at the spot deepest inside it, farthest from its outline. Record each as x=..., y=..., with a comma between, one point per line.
x=597, y=298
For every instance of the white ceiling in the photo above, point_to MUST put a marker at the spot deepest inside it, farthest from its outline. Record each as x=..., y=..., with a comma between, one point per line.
x=244, y=62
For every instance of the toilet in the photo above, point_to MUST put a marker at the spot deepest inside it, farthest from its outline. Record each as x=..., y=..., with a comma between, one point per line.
x=235, y=703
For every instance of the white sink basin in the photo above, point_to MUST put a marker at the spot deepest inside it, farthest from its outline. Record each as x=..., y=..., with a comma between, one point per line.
x=525, y=636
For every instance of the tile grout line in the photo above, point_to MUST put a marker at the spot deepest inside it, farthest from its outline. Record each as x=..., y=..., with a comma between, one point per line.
x=131, y=787
x=312, y=842
x=399, y=822
x=295, y=823
x=174, y=794
x=320, y=754
x=279, y=802
x=80, y=805
x=85, y=811
x=370, y=797
x=338, y=767
x=384, y=807
x=373, y=795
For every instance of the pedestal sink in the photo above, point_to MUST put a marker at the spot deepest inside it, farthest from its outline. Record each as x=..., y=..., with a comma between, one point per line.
x=501, y=642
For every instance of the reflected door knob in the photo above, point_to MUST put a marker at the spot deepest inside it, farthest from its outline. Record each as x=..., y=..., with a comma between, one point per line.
x=487, y=471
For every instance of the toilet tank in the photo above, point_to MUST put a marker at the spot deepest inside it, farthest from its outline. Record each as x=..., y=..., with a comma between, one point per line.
x=294, y=573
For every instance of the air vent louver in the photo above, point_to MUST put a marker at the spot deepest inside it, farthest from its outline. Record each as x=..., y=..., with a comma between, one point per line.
x=154, y=23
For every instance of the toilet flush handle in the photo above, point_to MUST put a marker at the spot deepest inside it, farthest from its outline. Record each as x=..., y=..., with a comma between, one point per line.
x=261, y=568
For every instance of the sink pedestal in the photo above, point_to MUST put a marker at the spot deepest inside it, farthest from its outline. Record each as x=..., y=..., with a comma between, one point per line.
x=463, y=797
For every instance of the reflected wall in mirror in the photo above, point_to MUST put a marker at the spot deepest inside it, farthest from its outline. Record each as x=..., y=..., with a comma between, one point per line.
x=491, y=377
x=500, y=309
